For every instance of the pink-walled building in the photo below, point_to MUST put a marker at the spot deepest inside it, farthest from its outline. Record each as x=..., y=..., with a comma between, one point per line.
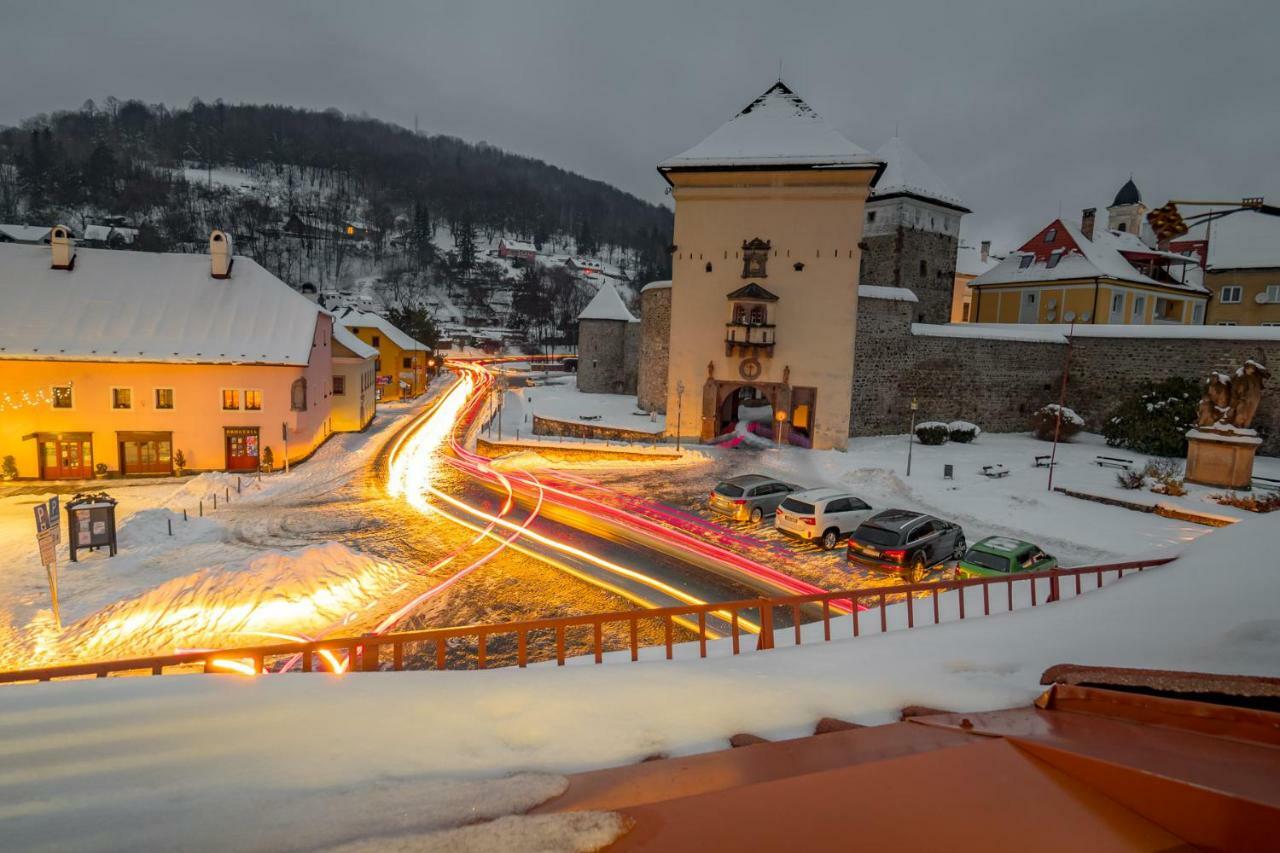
x=126, y=359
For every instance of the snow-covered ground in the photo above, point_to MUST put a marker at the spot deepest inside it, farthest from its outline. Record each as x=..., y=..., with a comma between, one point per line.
x=287, y=762
x=559, y=399
x=1018, y=504
x=208, y=582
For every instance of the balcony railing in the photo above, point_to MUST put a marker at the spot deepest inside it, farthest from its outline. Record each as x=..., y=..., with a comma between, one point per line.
x=749, y=338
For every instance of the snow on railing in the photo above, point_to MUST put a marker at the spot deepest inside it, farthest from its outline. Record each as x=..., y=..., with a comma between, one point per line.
x=472, y=647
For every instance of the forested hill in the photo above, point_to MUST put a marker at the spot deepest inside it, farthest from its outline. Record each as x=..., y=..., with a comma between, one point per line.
x=144, y=164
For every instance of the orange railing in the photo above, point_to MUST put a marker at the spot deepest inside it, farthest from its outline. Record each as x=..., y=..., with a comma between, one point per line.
x=367, y=653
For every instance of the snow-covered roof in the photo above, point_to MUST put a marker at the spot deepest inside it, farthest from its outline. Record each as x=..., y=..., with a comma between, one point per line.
x=518, y=245
x=969, y=260
x=1098, y=258
x=354, y=318
x=1125, y=241
x=24, y=233
x=1244, y=239
x=342, y=335
x=1057, y=332
x=876, y=291
x=906, y=174
x=657, y=285
x=606, y=305
x=145, y=306
x=776, y=129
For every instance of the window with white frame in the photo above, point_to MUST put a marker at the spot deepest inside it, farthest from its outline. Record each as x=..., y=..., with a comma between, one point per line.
x=1197, y=313
x=1231, y=294
x=1117, y=304
x=164, y=398
x=1273, y=294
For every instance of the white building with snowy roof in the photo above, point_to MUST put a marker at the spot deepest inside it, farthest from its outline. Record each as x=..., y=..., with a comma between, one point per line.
x=125, y=359
x=402, y=364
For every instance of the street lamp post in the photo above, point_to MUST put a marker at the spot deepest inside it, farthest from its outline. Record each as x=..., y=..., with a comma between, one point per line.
x=679, y=410
x=781, y=417
x=911, y=434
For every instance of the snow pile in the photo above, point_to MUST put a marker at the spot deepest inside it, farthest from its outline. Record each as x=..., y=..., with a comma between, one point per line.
x=892, y=294
x=309, y=591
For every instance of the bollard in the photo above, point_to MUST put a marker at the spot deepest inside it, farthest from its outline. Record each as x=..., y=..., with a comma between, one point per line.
x=238, y=486
x=202, y=507
x=215, y=500
x=228, y=494
x=184, y=513
x=170, y=520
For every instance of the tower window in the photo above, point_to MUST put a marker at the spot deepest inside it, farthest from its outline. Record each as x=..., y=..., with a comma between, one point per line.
x=871, y=216
x=924, y=268
x=1123, y=226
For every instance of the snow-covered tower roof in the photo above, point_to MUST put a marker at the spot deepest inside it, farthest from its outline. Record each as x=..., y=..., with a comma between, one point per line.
x=607, y=305
x=777, y=129
x=905, y=174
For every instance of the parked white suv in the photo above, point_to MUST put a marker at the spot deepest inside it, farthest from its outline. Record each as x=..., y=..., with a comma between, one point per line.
x=824, y=515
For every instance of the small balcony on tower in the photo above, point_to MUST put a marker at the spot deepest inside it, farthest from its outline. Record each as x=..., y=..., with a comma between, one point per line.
x=750, y=332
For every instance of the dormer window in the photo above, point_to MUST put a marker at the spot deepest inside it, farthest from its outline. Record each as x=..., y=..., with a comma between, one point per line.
x=1026, y=262
x=1053, y=259
x=1051, y=235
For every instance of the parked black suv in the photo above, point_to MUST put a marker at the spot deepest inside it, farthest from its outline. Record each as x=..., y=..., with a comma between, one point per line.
x=900, y=540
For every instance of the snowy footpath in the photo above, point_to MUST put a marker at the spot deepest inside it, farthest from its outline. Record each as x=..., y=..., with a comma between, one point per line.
x=303, y=761
x=227, y=578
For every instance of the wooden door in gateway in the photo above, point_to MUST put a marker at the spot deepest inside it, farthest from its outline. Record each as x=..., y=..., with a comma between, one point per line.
x=242, y=448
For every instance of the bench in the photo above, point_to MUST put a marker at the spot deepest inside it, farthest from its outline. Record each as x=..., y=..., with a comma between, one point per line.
x=995, y=471
x=1045, y=461
x=1113, y=462
x=1269, y=483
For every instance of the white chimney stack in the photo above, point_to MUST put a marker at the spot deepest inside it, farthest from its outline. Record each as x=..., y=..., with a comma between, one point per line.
x=986, y=251
x=64, y=248
x=220, y=254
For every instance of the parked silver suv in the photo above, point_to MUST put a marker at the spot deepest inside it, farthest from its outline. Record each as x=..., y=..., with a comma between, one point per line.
x=749, y=497
x=823, y=514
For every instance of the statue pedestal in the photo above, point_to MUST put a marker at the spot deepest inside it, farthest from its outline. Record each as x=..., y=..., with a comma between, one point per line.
x=1221, y=459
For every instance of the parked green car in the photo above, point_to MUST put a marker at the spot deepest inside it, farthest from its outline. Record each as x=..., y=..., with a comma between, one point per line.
x=1001, y=555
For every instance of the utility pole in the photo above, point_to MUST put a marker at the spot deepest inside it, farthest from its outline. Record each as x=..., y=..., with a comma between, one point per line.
x=911, y=435
x=1062, y=401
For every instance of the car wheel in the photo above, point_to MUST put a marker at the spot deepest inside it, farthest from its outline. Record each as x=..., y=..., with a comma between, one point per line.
x=757, y=515
x=830, y=539
x=918, y=569
x=958, y=553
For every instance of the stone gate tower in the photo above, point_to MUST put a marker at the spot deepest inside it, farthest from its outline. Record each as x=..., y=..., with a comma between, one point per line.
x=769, y=212
x=912, y=233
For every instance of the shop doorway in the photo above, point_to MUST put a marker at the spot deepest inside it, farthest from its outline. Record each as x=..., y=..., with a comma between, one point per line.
x=242, y=448
x=146, y=452
x=68, y=456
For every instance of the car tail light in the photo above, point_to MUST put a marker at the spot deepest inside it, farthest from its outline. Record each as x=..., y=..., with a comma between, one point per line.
x=810, y=521
x=895, y=554
x=739, y=502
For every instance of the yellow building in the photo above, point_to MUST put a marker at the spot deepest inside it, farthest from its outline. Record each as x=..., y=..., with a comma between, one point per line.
x=971, y=262
x=126, y=359
x=1240, y=255
x=402, y=363
x=1094, y=275
x=768, y=216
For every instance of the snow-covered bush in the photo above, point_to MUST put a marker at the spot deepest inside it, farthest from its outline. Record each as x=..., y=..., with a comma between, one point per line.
x=9, y=468
x=1044, y=422
x=1156, y=418
x=932, y=432
x=1131, y=479
x=1166, y=475
x=962, y=431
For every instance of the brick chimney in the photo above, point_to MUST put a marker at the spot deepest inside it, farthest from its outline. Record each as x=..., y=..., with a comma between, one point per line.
x=220, y=254
x=986, y=251
x=1087, y=218
x=63, y=246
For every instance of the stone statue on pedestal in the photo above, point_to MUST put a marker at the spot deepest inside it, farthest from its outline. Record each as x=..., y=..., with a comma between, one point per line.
x=1221, y=446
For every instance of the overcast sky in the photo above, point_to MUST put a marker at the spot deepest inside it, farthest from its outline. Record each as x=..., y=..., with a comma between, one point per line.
x=1025, y=108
